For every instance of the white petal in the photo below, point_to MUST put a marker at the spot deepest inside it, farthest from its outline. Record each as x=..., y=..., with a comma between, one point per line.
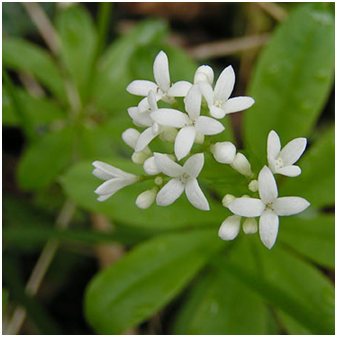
x=216, y=112
x=167, y=165
x=273, y=145
x=208, y=126
x=101, y=174
x=170, y=117
x=113, y=185
x=179, y=89
x=193, y=102
x=130, y=137
x=141, y=87
x=247, y=207
x=290, y=205
x=204, y=74
x=152, y=100
x=293, y=151
x=184, y=141
x=268, y=228
x=170, y=192
x=143, y=105
x=150, y=166
x=195, y=195
x=237, y=104
x=194, y=164
x=267, y=186
x=224, y=85
x=161, y=71
x=289, y=171
x=230, y=228
x=104, y=197
x=145, y=138
x=207, y=91
x=111, y=170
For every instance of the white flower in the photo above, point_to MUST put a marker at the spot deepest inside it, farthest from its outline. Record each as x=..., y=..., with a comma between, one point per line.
x=224, y=152
x=190, y=124
x=115, y=178
x=162, y=87
x=184, y=179
x=218, y=100
x=268, y=208
x=281, y=161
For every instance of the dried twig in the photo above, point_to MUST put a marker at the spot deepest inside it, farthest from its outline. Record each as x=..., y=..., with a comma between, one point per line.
x=227, y=47
x=274, y=10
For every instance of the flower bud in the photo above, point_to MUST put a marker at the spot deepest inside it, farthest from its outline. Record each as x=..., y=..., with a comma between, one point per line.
x=230, y=228
x=169, y=134
x=130, y=137
x=139, y=157
x=227, y=199
x=254, y=186
x=242, y=165
x=224, y=152
x=146, y=199
x=199, y=138
x=150, y=166
x=204, y=74
x=250, y=226
x=158, y=181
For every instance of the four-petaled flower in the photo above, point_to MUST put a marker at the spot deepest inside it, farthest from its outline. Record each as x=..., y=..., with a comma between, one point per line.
x=115, y=178
x=268, y=208
x=191, y=124
x=184, y=179
x=281, y=161
x=218, y=101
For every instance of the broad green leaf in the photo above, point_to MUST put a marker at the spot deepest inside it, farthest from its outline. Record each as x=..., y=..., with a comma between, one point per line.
x=220, y=305
x=114, y=71
x=317, y=181
x=40, y=111
x=292, y=79
x=45, y=159
x=146, y=279
x=78, y=43
x=21, y=55
x=314, y=237
x=79, y=184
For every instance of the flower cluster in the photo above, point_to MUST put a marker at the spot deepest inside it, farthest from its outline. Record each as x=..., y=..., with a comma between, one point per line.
x=186, y=114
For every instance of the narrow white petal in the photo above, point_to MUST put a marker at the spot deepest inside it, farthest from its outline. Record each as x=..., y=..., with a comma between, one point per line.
x=152, y=100
x=289, y=171
x=179, y=89
x=193, y=102
x=224, y=85
x=170, y=117
x=194, y=165
x=98, y=173
x=167, y=165
x=267, y=186
x=184, y=141
x=208, y=126
x=207, y=91
x=230, y=228
x=143, y=105
x=130, y=137
x=204, y=74
x=145, y=138
x=247, y=207
x=113, y=185
x=141, y=87
x=111, y=170
x=273, y=145
x=150, y=166
x=170, y=192
x=161, y=71
x=290, y=205
x=268, y=228
x=293, y=151
x=104, y=197
x=195, y=195
x=216, y=112
x=237, y=104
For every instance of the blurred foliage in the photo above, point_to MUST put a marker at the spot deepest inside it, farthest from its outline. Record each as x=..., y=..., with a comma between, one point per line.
x=218, y=287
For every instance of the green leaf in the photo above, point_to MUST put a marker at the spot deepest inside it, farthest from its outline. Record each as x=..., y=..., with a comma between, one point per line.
x=317, y=181
x=292, y=79
x=5, y=297
x=78, y=43
x=114, y=71
x=21, y=55
x=45, y=159
x=79, y=184
x=40, y=111
x=146, y=279
x=212, y=308
x=314, y=238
